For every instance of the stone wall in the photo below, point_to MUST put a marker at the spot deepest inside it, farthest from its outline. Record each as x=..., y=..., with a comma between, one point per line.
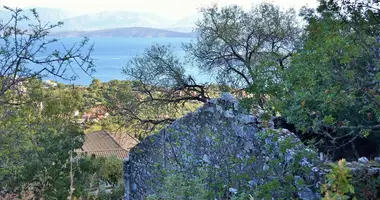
x=227, y=142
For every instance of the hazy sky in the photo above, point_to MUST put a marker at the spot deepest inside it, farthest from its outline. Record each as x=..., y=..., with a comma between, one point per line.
x=169, y=8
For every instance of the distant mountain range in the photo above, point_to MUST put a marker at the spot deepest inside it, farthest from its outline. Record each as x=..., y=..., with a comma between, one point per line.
x=115, y=23
x=126, y=32
x=117, y=19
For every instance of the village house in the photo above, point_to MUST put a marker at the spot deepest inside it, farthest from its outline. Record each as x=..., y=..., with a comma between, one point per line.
x=97, y=113
x=102, y=143
x=49, y=84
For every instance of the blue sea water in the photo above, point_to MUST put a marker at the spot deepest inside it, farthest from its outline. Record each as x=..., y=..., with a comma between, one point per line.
x=111, y=54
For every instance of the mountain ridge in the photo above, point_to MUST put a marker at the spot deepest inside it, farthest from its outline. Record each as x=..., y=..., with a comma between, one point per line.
x=103, y=22
x=114, y=19
x=126, y=32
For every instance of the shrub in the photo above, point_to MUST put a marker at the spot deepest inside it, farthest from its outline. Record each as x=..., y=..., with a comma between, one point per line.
x=338, y=185
x=179, y=186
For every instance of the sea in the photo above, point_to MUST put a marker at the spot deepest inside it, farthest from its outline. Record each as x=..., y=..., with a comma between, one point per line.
x=111, y=54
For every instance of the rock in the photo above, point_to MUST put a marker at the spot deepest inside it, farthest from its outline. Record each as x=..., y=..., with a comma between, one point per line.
x=377, y=159
x=206, y=159
x=228, y=114
x=233, y=190
x=265, y=167
x=228, y=97
x=354, y=163
x=307, y=194
x=315, y=169
x=363, y=160
x=226, y=142
x=374, y=170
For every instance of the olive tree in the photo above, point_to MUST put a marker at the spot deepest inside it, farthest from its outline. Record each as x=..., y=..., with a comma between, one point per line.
x=162, y=90
x=247, y=49
x=243, y=49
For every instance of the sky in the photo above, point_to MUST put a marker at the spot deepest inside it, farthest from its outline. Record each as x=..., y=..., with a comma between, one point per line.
x=168, y=8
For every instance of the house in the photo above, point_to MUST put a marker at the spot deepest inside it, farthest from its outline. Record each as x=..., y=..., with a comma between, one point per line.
x=126, y=141
x=49, y=84
x=101, y=143
x=96, y=113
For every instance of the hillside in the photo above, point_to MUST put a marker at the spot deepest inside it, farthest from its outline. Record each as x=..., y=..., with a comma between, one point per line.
x=114, y=19
x=126, y=32
x=107, y=20
x=53, y=15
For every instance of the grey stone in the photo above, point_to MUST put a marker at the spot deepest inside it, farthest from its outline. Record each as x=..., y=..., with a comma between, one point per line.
x=233, y=190
x=219, y=135
x=377, y=159
x=307, y=194
x=363, y=160
x=315, y=169
x=374, y=170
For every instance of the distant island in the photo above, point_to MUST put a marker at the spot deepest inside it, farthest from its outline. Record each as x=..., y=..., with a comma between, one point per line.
x=126, y=32
x=112, y=23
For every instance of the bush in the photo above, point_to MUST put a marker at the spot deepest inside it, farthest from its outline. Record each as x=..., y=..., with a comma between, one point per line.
x=338, y=184
x=179, y=186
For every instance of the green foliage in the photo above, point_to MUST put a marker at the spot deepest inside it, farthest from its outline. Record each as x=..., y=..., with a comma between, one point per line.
x=113, y=169
x=180, y=186
x=93, y=173
x=367, y=185
x=330, y=86
x=62, y=102
x=116, y=194
x=242, y=48
x=339, y=183
x=38, y=129
x=329, y=89
x=93, y=127
x=36, y=141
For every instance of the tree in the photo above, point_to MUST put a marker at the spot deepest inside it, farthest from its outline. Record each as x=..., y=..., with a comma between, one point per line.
x=332, y=83
x=37, y=128
x=95, y=85
x=161, y=90
x=25, y=42
x=245, y=49
x=35, y=141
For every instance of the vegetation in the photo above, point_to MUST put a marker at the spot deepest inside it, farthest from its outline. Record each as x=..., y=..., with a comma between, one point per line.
x=323, y=79
x=315, y=77
x=332, y=84
x=338, y=184
x=38, y=129
x=24, y=42
x=245, y=49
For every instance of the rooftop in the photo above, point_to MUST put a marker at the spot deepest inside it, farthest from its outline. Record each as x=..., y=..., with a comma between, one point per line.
x=101, y=143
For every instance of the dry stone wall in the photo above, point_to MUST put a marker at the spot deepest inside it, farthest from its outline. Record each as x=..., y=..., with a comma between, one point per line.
x=230, y=145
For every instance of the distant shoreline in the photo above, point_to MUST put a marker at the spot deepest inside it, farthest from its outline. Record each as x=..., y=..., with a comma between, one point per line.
x=133, y=32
